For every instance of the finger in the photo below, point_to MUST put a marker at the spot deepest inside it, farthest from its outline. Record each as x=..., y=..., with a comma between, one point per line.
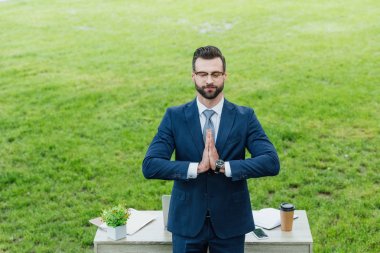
x=212, y=142
x=209, y=133
x=212, y=149
x=213, y=152
x=206, y=153
x=208, y=137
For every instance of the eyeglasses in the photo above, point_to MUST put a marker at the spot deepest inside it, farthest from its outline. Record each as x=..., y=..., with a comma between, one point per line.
x=214, y=75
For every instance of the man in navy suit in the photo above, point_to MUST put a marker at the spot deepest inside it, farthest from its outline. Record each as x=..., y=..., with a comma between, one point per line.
x=210, y=206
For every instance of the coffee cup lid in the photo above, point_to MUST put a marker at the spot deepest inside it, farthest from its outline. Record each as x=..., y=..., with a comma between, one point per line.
x=287, y=207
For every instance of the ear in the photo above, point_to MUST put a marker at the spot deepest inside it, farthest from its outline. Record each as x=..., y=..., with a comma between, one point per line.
x=225, y=76
x=193, y=76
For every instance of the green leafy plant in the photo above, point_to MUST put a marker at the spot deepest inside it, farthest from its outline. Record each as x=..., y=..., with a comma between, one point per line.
x=116, y=216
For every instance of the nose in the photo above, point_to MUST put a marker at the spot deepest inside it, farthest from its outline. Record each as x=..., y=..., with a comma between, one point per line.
x=209, y=79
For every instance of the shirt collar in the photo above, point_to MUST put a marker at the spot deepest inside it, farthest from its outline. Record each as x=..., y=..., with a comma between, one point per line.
x=217, y=108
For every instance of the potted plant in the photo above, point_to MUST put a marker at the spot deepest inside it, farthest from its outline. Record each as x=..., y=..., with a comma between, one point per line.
x=116, y=218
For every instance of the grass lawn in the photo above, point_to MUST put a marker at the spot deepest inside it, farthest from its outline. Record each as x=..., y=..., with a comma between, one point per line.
x=84, y=85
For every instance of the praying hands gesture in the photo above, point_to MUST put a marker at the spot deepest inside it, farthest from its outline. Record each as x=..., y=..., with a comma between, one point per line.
x=210, y=155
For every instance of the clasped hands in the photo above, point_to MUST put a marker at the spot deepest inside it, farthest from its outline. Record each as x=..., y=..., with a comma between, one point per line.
x=210, y=155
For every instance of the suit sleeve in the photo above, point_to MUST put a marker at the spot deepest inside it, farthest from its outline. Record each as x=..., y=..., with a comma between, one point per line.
x=264, y=160
x=157, y=164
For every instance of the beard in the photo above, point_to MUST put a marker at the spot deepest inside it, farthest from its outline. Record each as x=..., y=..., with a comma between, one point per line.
x=209, y=95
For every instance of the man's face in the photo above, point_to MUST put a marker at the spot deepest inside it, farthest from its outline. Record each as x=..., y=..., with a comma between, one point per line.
x=209, y=77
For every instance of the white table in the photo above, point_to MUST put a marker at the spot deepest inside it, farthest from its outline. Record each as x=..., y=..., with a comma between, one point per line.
x=154, y=238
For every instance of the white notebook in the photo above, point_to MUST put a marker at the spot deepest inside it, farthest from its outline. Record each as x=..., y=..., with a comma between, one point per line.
x=268, y=218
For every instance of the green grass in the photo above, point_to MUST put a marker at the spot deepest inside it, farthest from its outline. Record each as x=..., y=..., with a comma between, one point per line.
x=84, y=85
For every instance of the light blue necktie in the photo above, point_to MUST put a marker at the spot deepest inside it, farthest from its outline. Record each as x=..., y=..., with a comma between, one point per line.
x=208, y=124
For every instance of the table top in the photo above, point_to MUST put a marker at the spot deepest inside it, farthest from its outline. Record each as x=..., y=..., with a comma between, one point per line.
x=155, y=233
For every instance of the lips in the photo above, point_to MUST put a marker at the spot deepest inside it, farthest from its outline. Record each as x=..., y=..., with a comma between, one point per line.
x=209, y=88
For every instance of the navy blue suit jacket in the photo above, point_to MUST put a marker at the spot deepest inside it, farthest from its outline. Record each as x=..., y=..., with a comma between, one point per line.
x=226, y=198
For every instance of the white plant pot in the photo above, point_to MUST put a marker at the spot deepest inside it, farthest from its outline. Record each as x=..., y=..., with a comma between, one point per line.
x=117, y=233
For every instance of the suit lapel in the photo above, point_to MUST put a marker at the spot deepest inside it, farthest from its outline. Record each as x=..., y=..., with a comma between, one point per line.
x=194, y=125
x=226, y=123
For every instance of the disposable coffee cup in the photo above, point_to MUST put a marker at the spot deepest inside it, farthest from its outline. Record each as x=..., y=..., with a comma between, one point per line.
x=287, y=215
x=165, y=209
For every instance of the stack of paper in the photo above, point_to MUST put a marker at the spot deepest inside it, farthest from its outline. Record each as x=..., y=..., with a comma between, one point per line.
x=268, y=218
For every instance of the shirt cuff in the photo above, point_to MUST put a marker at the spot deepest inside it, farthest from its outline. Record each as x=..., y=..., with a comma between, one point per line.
x=227, y=169
x=192, y=170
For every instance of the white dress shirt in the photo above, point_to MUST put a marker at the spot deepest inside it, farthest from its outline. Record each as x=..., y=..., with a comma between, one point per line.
x=215, y=118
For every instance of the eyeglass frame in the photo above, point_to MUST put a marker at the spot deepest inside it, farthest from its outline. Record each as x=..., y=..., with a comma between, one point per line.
x=212, y=74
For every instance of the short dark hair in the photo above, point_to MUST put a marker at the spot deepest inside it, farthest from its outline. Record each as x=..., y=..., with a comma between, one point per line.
x=208, y=52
